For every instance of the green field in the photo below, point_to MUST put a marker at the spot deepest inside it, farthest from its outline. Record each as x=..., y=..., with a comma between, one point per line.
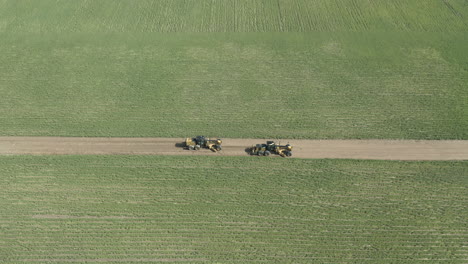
x=231, y=15
x=231, y=210
x=312, y=69
x=250, y=68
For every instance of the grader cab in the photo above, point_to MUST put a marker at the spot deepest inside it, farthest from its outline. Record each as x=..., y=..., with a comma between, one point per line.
x=271, y=147
x=199, y=142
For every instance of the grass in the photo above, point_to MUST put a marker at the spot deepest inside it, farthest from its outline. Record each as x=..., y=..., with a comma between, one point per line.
x=231, y=210
x=244, y=68
x=231, y=16
x=281, y=85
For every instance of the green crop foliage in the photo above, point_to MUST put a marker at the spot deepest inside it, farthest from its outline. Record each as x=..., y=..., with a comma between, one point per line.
x=231, y=210
x=231, y=15
x=235, y=68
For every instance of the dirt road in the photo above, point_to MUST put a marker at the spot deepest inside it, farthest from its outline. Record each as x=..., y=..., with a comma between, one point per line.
x=315, y=149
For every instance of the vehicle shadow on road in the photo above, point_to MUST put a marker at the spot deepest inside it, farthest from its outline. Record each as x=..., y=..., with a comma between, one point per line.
x=248, y=150
x=180, y=145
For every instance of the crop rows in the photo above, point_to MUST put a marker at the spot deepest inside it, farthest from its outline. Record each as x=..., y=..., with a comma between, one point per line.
x=280, y=85
x=284, y=69
x=231, y=210
x=231, y=15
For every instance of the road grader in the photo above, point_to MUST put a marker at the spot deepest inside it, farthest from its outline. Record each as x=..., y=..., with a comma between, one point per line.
x=199, y=142
x=271, y=147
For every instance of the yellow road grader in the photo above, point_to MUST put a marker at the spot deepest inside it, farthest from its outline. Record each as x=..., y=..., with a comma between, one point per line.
x=271, y=147
x=199, y=142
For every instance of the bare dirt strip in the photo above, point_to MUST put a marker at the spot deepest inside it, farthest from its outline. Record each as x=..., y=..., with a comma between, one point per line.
x=314, y=149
